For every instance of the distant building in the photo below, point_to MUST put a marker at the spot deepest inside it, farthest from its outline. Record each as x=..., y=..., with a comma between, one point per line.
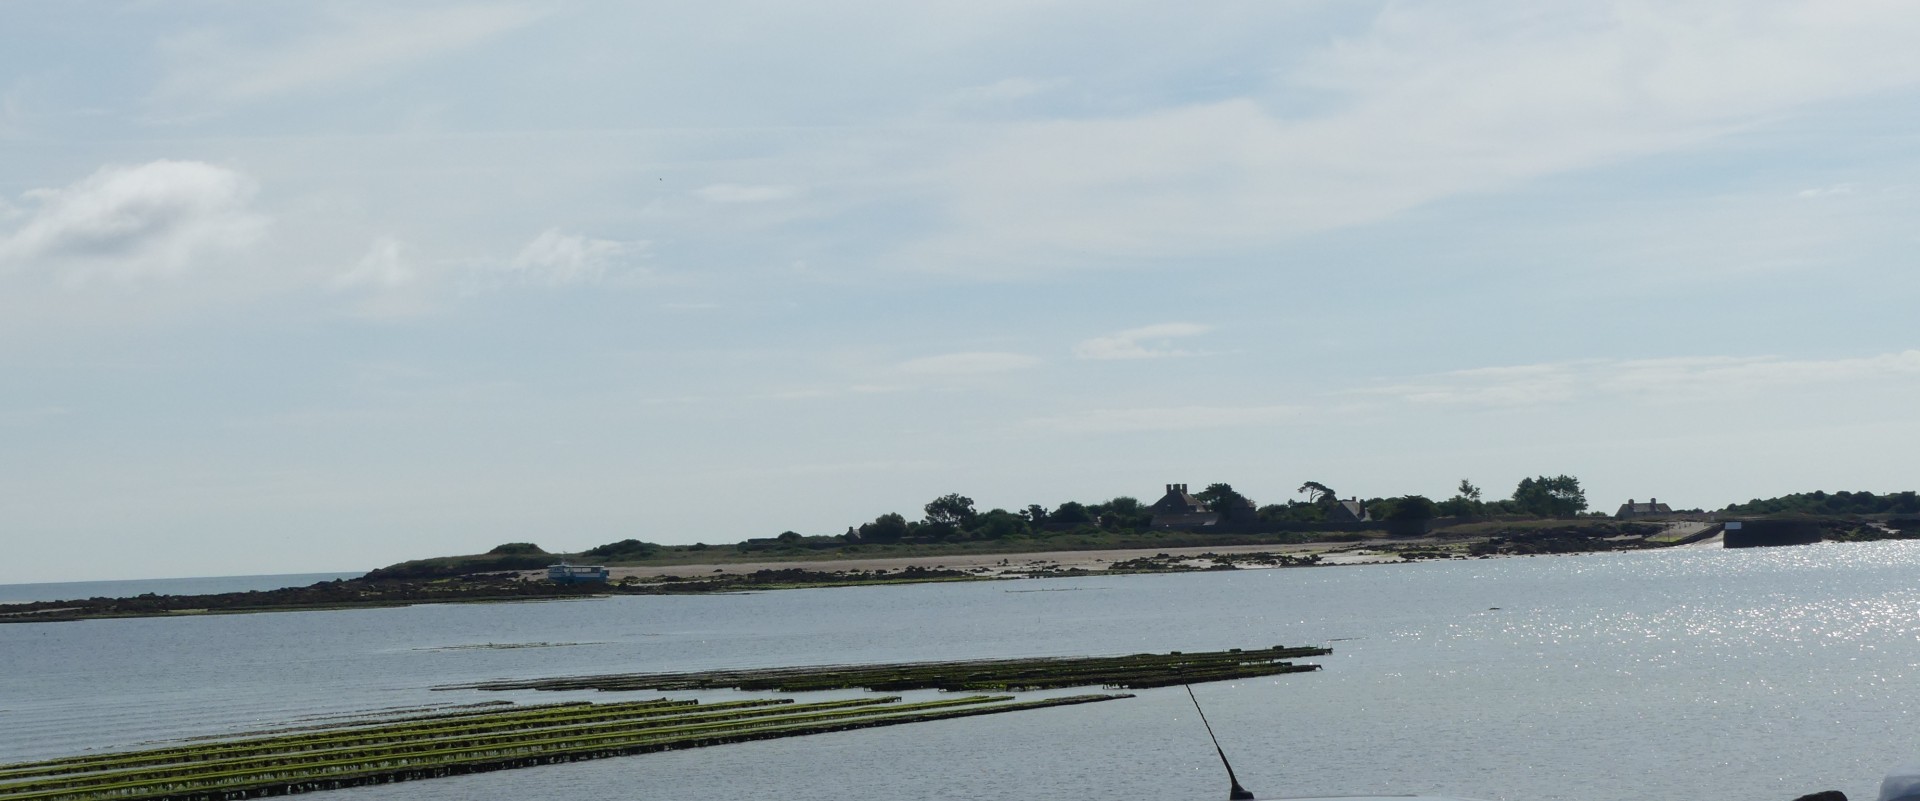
x=1179, y=510
x=564, y=573
x=1349, y=511
x=1652, y=508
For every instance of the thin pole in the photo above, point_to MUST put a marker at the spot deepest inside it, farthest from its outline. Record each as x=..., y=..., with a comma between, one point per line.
x=1236, y=792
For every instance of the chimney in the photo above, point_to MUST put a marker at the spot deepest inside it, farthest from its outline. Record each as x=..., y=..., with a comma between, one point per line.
x=1629, y=503
x=1652, y=502
x=1169, y=489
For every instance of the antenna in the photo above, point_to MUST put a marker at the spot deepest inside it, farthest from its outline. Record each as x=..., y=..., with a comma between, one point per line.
x=1235, y=793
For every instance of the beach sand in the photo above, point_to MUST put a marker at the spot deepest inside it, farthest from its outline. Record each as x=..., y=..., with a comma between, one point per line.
x=1011, y=563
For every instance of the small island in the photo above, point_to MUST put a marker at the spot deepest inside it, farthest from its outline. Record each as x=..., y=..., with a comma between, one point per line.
x=1216, y=528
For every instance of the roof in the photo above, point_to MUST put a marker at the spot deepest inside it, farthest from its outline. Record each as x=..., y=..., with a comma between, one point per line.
x=1178, y=500
x=1353, y=510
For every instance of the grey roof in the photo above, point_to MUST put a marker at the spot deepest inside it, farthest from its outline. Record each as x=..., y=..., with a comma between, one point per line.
x=1353, y=510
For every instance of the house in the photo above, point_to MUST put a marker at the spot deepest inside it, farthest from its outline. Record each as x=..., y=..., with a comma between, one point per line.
x=1652, y=508
x=1179, y=510
x=1348, y=511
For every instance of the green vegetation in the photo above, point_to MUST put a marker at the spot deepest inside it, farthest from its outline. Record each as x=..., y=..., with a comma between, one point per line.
x=1557, y=496
x=953, y=524
x=1838, y=503
x=428, y=746
x=1135, y=671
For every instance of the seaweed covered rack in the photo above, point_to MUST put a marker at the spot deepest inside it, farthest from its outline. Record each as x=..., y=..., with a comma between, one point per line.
x=428, y=746
x=1133, y=671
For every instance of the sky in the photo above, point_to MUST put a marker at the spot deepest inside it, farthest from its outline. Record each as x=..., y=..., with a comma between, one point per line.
x=313, y=286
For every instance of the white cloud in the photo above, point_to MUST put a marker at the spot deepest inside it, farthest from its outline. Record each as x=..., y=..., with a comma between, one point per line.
x=1845, y=188
x=1428, y=103
x=1146, y=342
x=738, y=193
x=355, y=43
x=1176, y=418
x=157, y=219
x=969, y=363
x=383, y=267
x=557, y=259
x=1688, y=379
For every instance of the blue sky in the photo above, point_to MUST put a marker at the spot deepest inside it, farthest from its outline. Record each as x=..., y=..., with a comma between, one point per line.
x=312, y=286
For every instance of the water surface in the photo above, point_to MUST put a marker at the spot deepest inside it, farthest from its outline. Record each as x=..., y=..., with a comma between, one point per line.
x=1683, y=674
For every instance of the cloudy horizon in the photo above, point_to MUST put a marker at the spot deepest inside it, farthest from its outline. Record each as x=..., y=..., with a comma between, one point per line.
x=327, y=285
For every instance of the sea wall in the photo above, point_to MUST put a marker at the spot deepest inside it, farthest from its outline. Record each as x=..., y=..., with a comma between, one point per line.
x=1768, y=533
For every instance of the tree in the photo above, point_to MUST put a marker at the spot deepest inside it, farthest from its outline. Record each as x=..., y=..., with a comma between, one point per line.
x=1318, y=492
x=1556, y=496
x=1293, y=512
x=1124, y=513
x=1411, y=508
x=516, y=549
x=789, y=537
x=951, y=509
x=1000, y=523
x=1223, y=499
x=1071, y=513
x=889, y=527
x=1036, y=515
x=1465, y=501
x=624, y=549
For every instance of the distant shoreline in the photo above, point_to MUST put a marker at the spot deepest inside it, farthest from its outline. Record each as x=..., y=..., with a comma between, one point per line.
x=753, y=576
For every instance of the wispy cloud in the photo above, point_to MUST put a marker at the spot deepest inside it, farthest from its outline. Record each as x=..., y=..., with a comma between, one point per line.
x=1659, y=380
x=1433, y=103
x=738, y=193
x=1146, y=342
x=130, y=223
x=352, y=43
x=383, y=267
x=972, y=363
x=1173, y=418
x=560, y=259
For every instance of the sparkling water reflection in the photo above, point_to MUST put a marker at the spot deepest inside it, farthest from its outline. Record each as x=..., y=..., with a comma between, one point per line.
x=1683, y=674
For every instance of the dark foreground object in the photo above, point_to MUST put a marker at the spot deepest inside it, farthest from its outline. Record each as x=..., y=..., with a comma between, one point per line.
x=1136, y=671
x=450, y=744
x=1772, y=533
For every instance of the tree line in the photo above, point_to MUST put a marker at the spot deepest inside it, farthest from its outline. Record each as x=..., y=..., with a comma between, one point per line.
x=1838, y=503
x=954, y=516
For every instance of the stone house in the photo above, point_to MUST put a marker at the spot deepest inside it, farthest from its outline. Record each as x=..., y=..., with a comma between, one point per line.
x=1178, y=510
x=1652, y=508
x=1348, y=511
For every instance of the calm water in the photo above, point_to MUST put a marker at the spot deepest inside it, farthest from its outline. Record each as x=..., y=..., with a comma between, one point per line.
x=1696, y=674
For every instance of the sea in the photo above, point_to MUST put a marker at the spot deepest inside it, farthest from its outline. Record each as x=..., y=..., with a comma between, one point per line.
x=1676, y=674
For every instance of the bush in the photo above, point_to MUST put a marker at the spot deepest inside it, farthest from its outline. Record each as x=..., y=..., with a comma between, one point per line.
x=624, y=549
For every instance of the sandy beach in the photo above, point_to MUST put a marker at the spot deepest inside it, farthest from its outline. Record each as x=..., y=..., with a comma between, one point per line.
x=1017, y=563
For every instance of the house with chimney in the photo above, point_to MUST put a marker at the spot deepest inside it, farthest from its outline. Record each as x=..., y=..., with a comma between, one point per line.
x=1652, y=508
x=1348, y=512
x=1178, y=510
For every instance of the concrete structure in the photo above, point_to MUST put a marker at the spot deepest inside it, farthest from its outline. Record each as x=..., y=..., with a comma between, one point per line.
x=1764, y=533
x=1652, y=508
